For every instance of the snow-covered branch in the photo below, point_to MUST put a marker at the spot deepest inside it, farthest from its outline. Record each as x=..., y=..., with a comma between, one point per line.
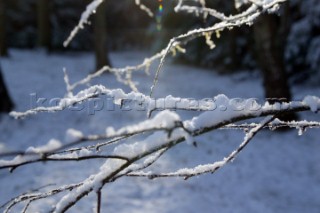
x=301, y=126
x=91, y=9
x=208, y=168
x=228, y=22
x=118, y=96
x=169, y=130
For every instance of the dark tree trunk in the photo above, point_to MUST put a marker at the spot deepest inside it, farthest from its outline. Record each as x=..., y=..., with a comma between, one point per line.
x=44, y=26
x=232, y=46
x=100, y=37
x=233, y=50
x=270, y=57
x=3, y=41
x=270, y=36
x=6, y=104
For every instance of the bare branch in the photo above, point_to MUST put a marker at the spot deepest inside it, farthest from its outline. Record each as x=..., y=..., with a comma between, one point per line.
x=98, y=201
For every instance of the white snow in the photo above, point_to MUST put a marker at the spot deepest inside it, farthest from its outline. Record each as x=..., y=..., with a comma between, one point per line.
x=73, y=135
x=239, y=3
x=91, y=8
x=18, y=160
x=165, y=119
x=224, y=110
x=51, y=145
x=110, y=130
x=313, y=102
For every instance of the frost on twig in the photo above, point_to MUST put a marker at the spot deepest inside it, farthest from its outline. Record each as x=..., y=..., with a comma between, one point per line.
x=186, y=173
x=144, y=8
x=226, y=22
x=245, y=18
x=121, y=73
x=91, y=9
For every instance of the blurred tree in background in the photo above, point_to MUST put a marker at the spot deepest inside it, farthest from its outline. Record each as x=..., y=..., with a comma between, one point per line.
x=6, y=105
x=303, y=44
x=270, y=35
x=127, y=27
x=270, y=54
x=100, y=37
x=3, y=31
x=43, y=23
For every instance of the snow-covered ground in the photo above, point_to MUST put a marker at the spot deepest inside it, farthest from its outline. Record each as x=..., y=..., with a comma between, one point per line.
x=277, y=172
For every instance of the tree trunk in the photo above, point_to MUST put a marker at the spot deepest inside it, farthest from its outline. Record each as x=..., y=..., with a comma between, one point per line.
x=6, y=104
x=100, y=37
x=3, y=41
x=270, y=36
x=44, y=27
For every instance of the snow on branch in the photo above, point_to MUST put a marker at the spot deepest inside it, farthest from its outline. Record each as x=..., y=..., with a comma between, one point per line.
x=247, y=17
x=208, y=168
x=301, y=126
x=91, y=9
x=169, y=130
x=123, y=74
x=118, y=97
x=226, y=22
